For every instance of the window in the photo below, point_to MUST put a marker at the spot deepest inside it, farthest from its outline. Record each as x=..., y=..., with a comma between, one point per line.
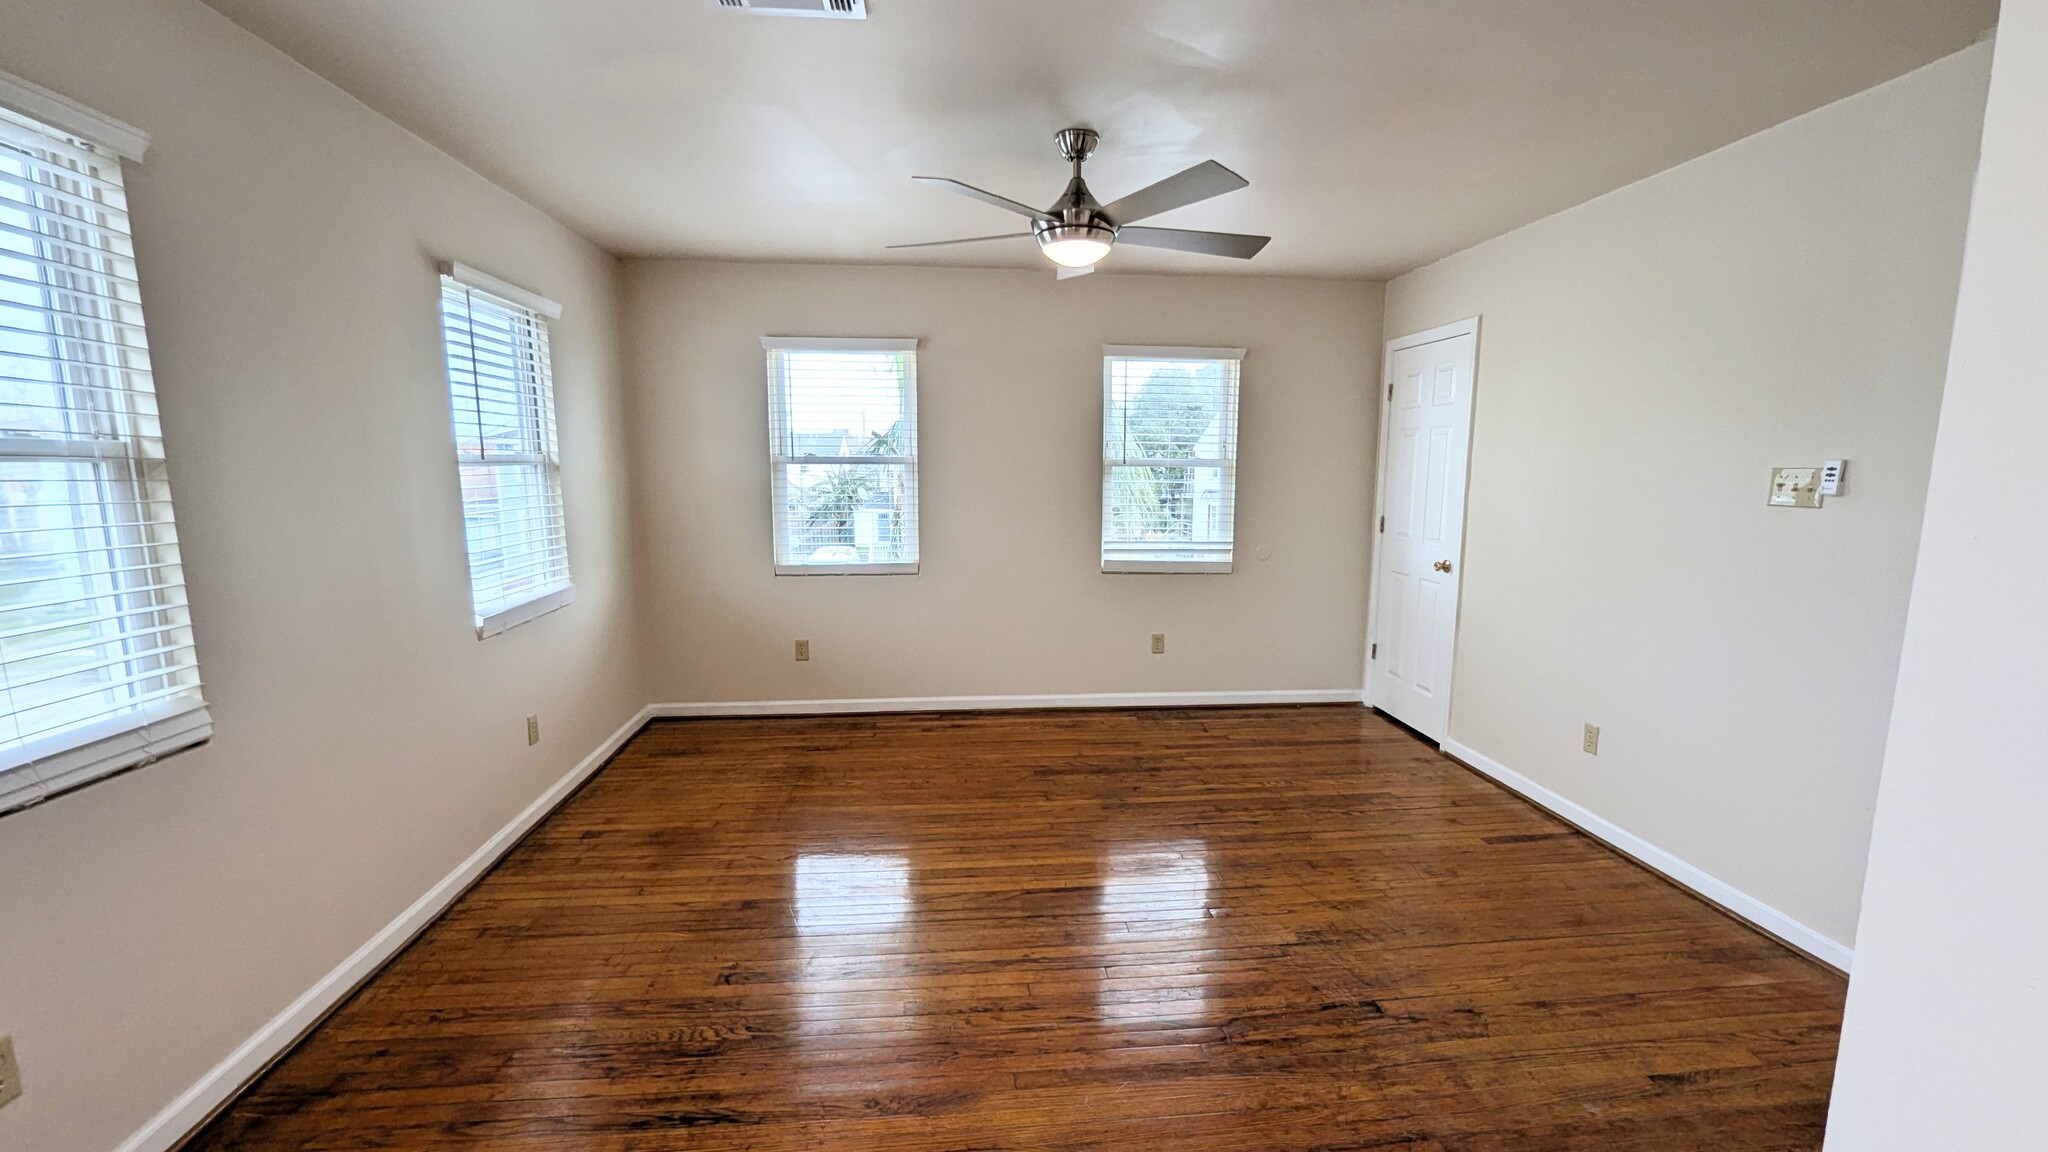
x=504, y=399
x=96, y=651
x=1169, y=458
x=842, y=453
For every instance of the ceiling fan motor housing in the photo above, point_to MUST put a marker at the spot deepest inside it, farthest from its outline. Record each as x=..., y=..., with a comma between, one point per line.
x=1076, y=232
x=1079, y=234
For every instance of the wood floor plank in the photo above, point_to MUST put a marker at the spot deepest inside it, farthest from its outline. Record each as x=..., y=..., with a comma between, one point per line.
x=1223, y=929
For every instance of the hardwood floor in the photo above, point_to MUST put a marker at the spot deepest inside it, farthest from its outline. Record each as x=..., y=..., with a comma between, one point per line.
x=1244, y=928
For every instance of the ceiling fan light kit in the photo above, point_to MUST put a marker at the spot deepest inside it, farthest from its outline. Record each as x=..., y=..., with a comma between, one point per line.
x=1075, y=245
x=1077, y=231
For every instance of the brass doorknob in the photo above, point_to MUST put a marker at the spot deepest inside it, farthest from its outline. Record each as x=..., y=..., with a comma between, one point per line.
x=1443, y=565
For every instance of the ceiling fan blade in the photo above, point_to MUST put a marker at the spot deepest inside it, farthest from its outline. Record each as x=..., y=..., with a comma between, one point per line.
x=1234, y=244
x=1178, y=191
x=967, y=240
x=986, y=197
x=1070, y=273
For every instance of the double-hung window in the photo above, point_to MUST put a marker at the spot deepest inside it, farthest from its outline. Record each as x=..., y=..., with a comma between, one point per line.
x=96, y=652
x=842, y=454
x=503, y=393
x=1169, y=458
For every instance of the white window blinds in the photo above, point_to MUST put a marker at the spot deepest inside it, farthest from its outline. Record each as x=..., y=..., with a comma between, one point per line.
x=842, y=448
x=1169, y=458
x=96, y=650
x=505, y=450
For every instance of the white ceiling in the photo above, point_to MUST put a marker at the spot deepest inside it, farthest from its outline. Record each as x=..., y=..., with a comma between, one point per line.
x=1378, y=135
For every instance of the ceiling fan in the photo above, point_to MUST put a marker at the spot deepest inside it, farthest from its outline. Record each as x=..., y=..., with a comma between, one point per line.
x=1076, y=232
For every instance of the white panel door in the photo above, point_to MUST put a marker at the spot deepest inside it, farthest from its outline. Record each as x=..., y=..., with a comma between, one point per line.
x=1427, y=422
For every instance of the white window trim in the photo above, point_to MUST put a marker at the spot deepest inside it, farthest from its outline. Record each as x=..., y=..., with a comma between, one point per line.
x=505, y=290
x=72, y=758
x=1114, y=565
x=561, y=596
x=776, y=460
x=1156, y=352
x=65, y=114
x=836, y=344
x=848, y=569
x=1117, y=566
x=59, y=763
x=555, y=596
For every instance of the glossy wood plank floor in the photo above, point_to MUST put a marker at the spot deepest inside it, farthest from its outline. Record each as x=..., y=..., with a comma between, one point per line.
x=1271, y=928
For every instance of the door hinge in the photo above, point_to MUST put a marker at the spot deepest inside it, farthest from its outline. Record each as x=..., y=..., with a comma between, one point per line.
x=1383, y=523
x=1375, y=652
x=1390, y=390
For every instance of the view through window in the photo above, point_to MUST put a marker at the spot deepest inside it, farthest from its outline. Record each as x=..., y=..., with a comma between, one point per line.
x=1169, y=458
x=843, y=454
x=97, y=661
x=501, y=385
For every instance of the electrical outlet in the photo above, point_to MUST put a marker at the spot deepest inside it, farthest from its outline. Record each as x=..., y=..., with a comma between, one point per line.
x=803, y=649
x=10, y=1073
x=1159, y=643
x=533, y=730
x=1592, y=743
x=1795, y=487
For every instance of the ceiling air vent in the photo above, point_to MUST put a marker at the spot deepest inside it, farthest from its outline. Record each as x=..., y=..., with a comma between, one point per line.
x=831, y=9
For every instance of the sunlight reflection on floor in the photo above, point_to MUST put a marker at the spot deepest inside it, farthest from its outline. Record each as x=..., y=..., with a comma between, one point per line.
x=1154, y=913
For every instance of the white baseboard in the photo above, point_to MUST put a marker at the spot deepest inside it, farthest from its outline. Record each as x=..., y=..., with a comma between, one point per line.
x=192, y=1108
x=185, y=1114
x=996, y=703
x=182, y=1116
x=1831, y=952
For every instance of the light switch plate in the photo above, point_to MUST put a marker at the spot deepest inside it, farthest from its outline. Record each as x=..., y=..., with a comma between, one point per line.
x=1832, y=475
x=1795, y=487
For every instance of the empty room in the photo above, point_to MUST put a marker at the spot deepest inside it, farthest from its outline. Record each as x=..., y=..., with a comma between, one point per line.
x=946, y=575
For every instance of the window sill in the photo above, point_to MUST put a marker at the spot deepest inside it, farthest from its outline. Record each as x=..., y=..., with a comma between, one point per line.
x=541, y=605
x=71, y=760
x=1186, y=567
x=846, y=569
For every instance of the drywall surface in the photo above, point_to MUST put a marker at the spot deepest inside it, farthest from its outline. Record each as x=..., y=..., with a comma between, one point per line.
x=1645, y=360
x=365, y=741
x=1009, y=598
x=1942, y=1044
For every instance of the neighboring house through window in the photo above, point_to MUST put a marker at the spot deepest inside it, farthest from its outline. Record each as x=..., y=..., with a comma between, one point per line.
x=842, y=455
x=98, y=670
x=502, y=389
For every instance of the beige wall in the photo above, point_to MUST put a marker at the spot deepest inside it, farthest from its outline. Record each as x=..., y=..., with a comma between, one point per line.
x=1009, y=401
x=1645, y=359
x=365, y=741
x=1942, y=1047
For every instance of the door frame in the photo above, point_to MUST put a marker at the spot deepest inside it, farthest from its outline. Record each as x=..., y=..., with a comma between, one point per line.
x=1466, y=327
